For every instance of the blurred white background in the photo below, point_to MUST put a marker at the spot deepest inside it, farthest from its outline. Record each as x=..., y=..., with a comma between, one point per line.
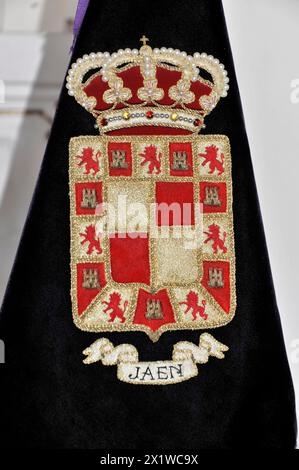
x=35, y=37
x=264, y=37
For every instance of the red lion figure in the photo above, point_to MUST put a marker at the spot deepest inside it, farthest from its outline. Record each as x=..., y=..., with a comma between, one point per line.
x=114, y=306
x=192, y=304
x=89, y=236
x=214, y=235
x=87, y=159
x=210, y=157
x=150, y=156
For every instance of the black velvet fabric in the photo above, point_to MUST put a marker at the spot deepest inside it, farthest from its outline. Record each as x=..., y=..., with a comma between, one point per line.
x=49, y=399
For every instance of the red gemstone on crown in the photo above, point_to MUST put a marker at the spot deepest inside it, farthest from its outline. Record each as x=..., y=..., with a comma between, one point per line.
x=103, y=122
x=197, y=122
x=149, y=114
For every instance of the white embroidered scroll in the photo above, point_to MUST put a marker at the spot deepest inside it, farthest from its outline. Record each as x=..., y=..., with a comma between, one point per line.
x=183, y=365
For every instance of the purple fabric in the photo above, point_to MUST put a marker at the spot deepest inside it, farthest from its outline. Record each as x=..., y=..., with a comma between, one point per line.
x=80, y=13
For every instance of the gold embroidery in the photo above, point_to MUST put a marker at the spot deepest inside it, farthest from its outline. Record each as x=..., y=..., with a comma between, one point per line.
x=212, y=196
x=91, y=279
x=215, y=277
x=140, y=187
x=117, y=93
x=180, y=161
x=181, y=93
x=174, y=264
x=153, y=310
x=148, y=60
x=114, y=192
x=190, y=279
x=183, y=366
x=89, y=199
x=119, y=159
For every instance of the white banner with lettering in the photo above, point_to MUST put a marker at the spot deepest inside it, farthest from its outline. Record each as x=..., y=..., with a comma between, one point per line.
x=183, y=365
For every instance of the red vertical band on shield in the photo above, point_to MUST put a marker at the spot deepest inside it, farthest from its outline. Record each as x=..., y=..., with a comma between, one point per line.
x=220, y=293
x=85, y=295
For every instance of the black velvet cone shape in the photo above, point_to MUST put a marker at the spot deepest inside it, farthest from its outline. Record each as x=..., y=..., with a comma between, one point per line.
x=49, y=398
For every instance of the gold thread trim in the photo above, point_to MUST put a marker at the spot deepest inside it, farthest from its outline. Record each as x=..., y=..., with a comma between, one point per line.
x=78, y=142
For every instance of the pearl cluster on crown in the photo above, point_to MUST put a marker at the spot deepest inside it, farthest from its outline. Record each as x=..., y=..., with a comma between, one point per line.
x=150, y=94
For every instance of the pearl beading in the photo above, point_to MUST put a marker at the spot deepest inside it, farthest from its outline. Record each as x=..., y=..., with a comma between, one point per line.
x=184, y=119
x=148, y=60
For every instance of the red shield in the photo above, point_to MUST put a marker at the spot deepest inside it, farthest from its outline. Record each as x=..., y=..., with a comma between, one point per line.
x=152, y=243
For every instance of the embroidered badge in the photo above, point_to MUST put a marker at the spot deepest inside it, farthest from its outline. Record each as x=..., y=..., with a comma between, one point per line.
x=152, y=241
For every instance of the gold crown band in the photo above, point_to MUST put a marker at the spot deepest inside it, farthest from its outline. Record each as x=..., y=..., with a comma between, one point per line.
x=147, y=116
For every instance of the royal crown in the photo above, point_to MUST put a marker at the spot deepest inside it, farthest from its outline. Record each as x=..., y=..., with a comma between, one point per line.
x=148, y=87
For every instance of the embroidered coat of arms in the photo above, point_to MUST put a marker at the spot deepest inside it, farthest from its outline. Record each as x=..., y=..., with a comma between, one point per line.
x=152, y=240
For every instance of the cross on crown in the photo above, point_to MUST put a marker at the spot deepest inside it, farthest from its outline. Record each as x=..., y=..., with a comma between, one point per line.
x=144, y=40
